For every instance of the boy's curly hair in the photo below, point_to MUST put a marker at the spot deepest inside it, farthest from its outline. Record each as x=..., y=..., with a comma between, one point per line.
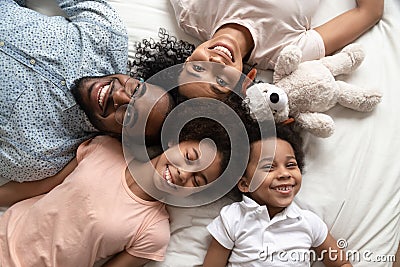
x=287, y=132
x=292, y=135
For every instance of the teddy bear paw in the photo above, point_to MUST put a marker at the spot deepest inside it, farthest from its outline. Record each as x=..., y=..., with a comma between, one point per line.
x=356, y=54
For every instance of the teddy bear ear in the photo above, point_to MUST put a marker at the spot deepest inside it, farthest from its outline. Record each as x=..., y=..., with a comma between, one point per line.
x=287, y=62
x=251, y=75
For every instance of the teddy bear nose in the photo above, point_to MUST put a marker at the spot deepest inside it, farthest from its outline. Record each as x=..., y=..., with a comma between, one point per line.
x=274, y=98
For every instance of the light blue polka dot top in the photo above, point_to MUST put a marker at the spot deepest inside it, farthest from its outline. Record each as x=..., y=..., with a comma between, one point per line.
x=41, y=125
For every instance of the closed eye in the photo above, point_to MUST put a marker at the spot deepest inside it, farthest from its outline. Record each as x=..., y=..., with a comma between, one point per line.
x=199, y=180
x=191, y=155
x=195, y=182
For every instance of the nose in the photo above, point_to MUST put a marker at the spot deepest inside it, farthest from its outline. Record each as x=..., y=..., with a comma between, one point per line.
x=184, y=176
x=122, y=95
x=284, y=173
x=216, y=59
x=120, y=98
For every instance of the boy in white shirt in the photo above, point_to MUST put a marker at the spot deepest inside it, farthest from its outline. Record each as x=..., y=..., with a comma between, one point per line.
x=266, y=227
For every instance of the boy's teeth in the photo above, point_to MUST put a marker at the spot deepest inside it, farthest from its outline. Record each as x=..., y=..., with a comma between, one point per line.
x=284, y=188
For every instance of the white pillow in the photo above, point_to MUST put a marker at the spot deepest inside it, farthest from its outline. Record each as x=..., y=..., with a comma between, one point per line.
x=143, y=19
x=189, y=236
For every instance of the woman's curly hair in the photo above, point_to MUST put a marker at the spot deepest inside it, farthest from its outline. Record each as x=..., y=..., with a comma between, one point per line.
x=153, y=56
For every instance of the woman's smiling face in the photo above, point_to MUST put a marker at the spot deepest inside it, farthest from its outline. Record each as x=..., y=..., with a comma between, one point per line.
x=213, y=69
x=190, y=164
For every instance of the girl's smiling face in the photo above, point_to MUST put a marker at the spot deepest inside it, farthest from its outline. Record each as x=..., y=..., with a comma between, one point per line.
x=190, y=164
x=278, y=176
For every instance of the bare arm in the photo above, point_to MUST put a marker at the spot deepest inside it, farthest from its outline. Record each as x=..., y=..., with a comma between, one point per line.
x=217, y=255
x=333, y=256
x=13, y=192
x=348, y=26
x=124, y=259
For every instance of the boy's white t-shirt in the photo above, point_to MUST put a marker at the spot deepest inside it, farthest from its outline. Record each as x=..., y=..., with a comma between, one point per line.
x=273, y=25
x=255, y=240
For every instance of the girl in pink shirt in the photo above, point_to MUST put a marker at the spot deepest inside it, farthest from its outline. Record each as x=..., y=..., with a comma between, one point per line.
x=101, y=208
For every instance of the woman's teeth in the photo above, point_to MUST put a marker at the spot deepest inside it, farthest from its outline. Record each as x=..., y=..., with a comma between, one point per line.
x=101, y=93
x=224, y=50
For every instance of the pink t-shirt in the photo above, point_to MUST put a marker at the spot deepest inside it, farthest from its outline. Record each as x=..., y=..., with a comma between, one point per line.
x=273, y=24
x=90, y=216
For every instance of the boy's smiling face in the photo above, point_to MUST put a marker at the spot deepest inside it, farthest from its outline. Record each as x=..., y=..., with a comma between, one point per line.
x=272, y=180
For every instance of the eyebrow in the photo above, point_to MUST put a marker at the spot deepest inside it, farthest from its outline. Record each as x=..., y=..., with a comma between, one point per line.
x=216, y=90
x=203, y=177
x=135, y=117
x=194, y=74
x=269, y=159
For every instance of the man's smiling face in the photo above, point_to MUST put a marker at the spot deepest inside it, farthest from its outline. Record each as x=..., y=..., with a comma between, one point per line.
x=106, y=99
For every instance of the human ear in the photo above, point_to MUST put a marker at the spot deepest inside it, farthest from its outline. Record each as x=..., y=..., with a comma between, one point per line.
x=248, y=80
x=243, y=185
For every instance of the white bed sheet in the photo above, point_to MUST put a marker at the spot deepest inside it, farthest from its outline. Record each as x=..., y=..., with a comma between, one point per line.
x=352, y=178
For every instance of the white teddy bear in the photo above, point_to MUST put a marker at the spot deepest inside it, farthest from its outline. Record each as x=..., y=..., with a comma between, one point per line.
x=303, y=90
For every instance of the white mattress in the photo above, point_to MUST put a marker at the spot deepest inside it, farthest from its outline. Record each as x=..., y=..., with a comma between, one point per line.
x=351, y=179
